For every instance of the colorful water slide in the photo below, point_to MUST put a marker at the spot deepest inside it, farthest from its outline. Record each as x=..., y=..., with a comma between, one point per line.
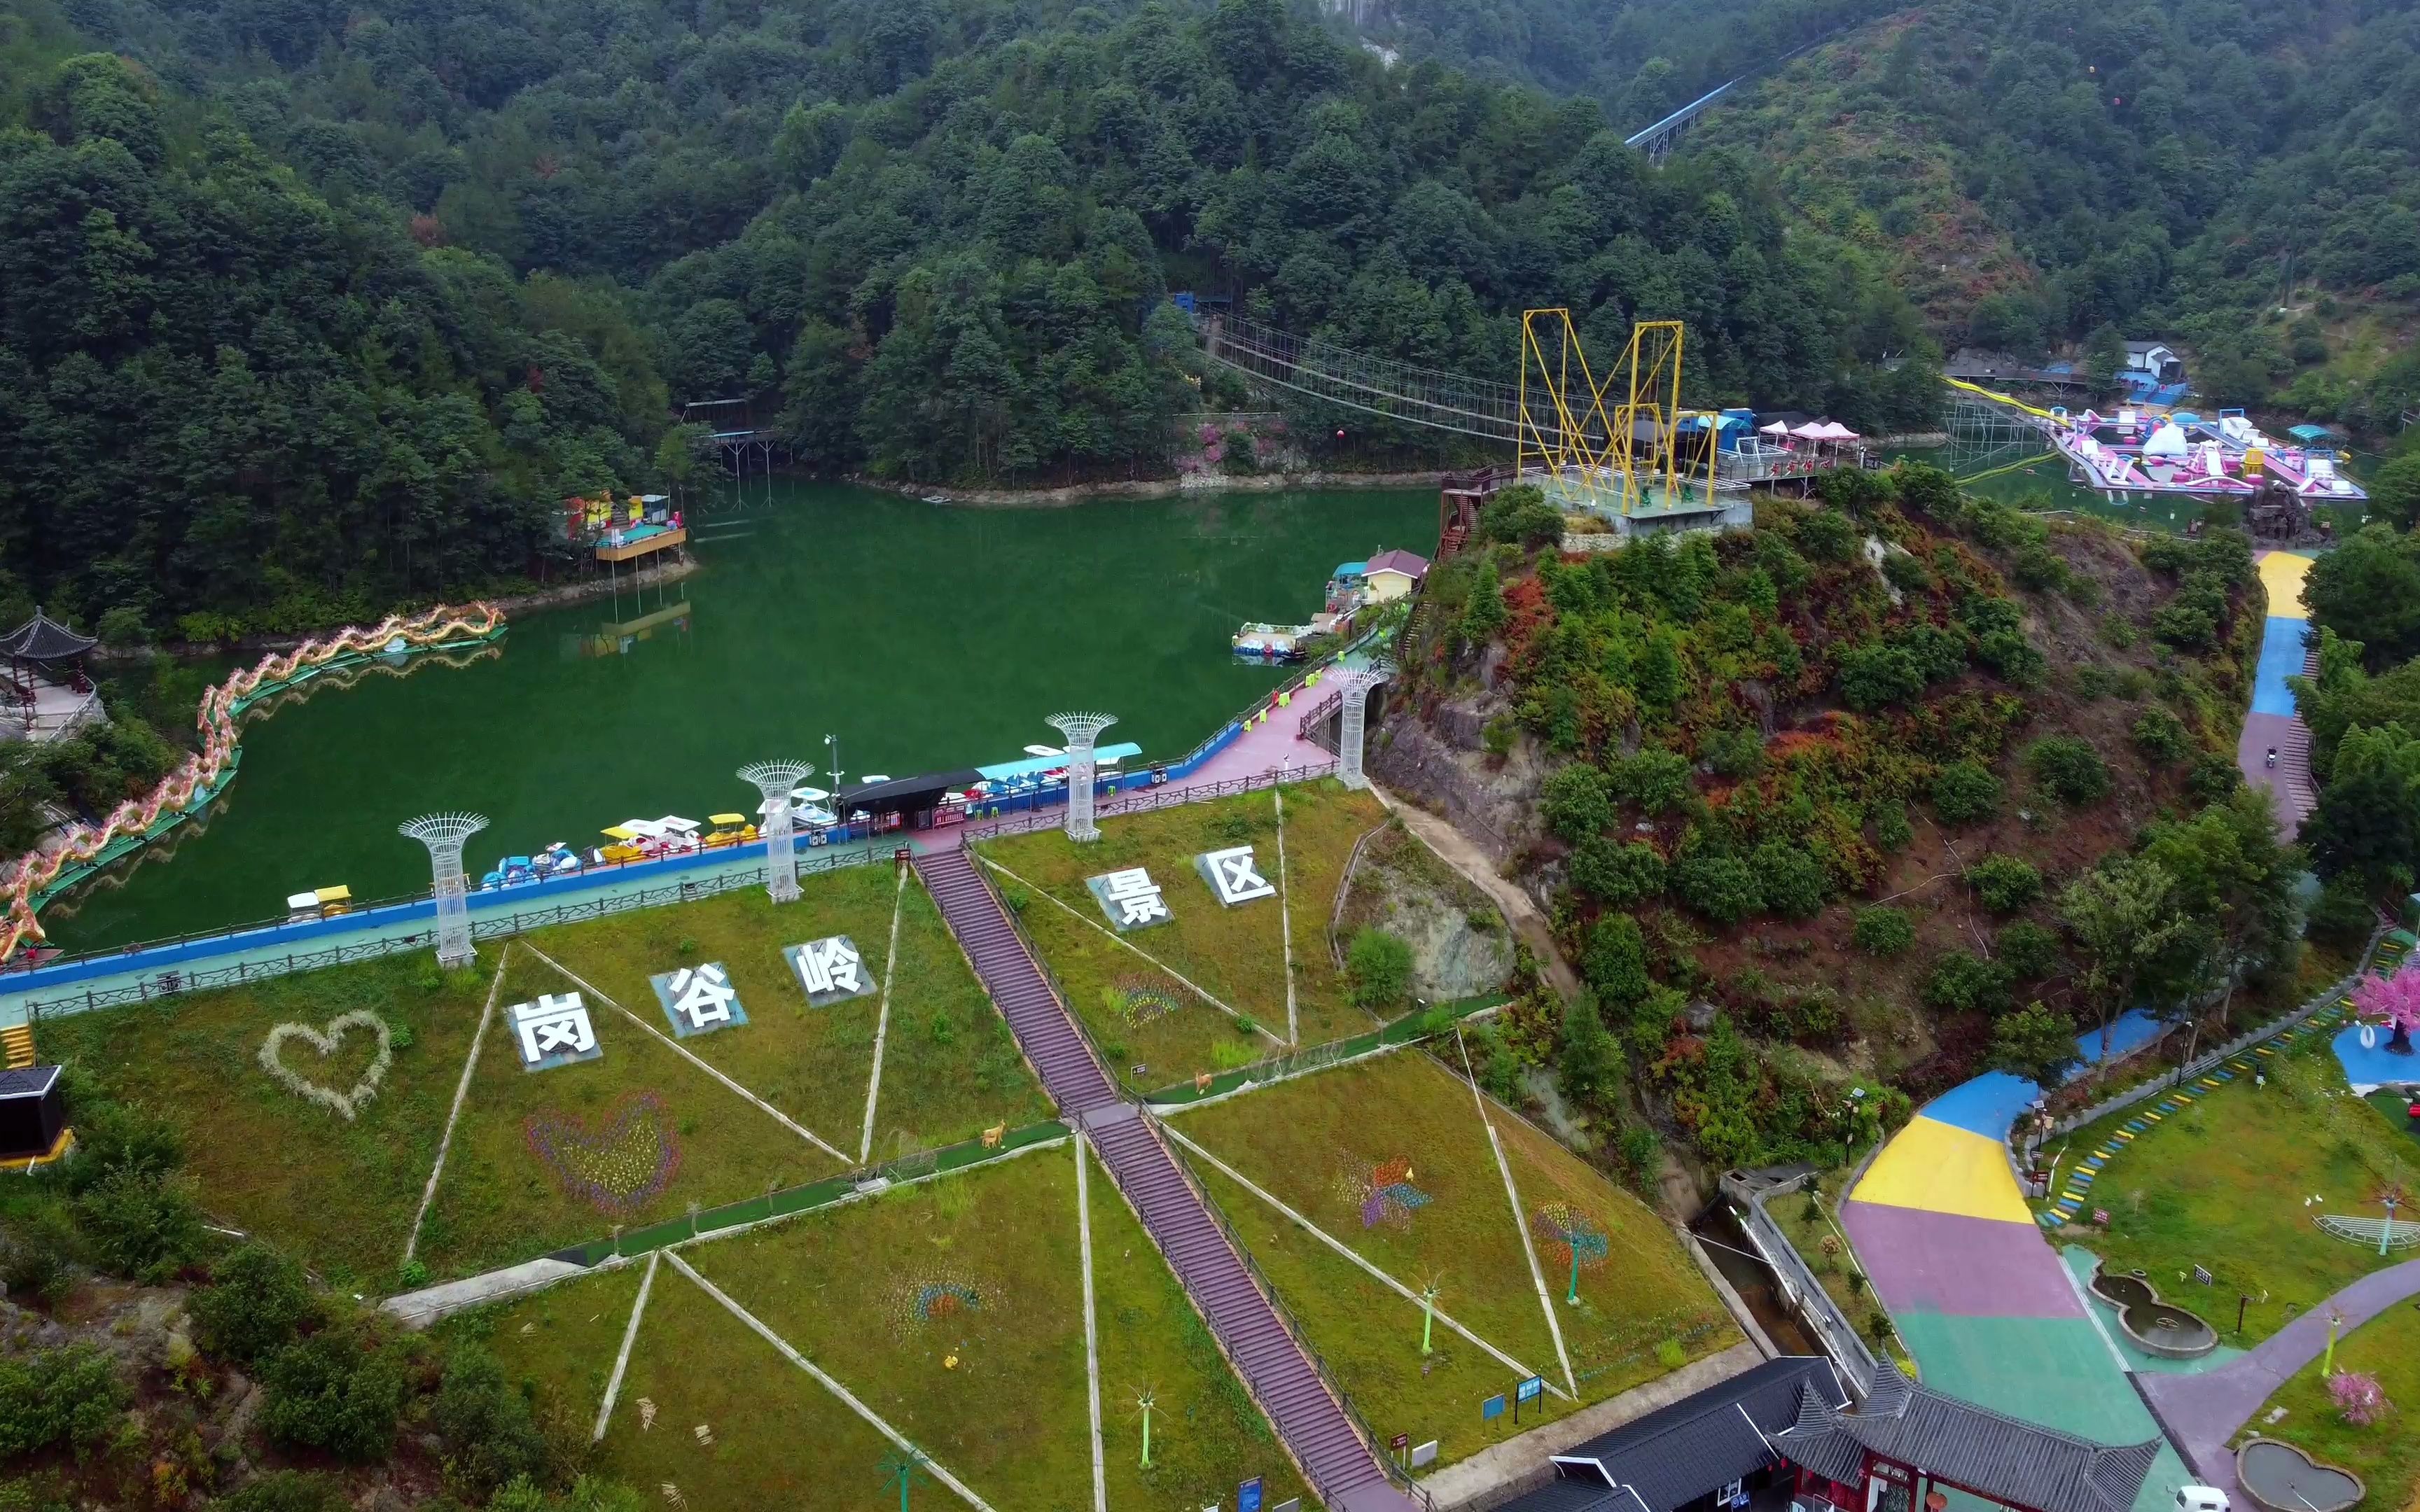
x=2272, y=724
x=1983, y=1301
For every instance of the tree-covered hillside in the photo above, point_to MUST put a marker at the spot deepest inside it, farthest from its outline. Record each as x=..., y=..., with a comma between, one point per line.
x=2236, y=172
x=929, y=237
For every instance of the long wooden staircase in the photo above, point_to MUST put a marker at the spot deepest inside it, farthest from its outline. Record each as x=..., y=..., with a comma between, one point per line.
x=1306, y=1408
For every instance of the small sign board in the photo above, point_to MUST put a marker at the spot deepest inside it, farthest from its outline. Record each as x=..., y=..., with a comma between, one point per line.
x=1247, y=1496
x=1400, y=1442
x=1425, y=1454
x=1492, y=1408
x=1129, y=900
x=1531, y=1389
x=2203, y=1275
x=1234, y=877
x=1292, y=1504
x=829, y=970
x=554, y=1031
x=698, y=999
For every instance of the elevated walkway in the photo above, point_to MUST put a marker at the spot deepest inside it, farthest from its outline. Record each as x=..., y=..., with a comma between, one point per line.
x=1303, y=1406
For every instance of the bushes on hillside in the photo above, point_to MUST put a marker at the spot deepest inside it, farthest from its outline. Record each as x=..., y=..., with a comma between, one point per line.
x=1963, y=983
x=1790, y=880
x=2027, y=950
x=491, y=1436
x=335, y=1391
x=2003, y=884
x=58, y=1399
x=1616, y=964
x=1379, y=967
x=2069, y=769
x=1964, y=792
x=2161, y=736
x=1722, y=888
x=1883, y=931
x=1874, y=675
x=255, y=1302
x=1655, y=780
x=1576, y=802
x=1616, y=873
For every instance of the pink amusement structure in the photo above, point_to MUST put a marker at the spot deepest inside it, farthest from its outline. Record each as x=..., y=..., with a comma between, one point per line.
x=29, y=874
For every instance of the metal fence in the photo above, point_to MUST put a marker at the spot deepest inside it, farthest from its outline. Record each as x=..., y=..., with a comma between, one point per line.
x=1799, y=1285
x=1143, y=800
x=492, y=926
x=2159, y=1086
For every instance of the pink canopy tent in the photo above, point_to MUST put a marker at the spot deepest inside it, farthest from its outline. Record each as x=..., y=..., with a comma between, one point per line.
x=1834, y=431
x=1811, y=431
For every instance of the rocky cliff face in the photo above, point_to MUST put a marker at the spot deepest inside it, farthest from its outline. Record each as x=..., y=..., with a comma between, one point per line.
x=1441, y=763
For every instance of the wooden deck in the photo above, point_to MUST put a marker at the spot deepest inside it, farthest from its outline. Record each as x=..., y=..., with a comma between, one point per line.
x=648, y=545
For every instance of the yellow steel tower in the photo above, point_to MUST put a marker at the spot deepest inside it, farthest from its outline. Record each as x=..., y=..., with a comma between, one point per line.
x=1612, y=446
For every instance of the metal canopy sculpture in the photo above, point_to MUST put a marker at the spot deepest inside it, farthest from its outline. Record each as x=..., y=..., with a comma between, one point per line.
x=776, y=780
x=1083, y=732
x=445, y=834
x=1352, y=689
x=1613, y=444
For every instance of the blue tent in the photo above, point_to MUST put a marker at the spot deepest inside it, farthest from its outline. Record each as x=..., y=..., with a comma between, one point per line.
x=2309, y=433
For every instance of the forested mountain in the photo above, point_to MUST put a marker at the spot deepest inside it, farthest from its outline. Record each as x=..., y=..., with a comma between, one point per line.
x=930, y=235
x=2042, y=169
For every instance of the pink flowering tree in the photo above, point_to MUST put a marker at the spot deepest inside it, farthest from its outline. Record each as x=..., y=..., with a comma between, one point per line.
x=2357, y=1396
x=2393, y=1001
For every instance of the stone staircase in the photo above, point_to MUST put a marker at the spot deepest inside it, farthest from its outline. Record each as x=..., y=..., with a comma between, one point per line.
x=16, y=1046
x=1303, y=1404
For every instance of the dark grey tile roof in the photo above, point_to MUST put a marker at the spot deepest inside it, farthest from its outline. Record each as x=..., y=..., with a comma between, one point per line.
x=1682, y=1451
x=1571, y=1495
x=27, y=1081
x=2006, y=1458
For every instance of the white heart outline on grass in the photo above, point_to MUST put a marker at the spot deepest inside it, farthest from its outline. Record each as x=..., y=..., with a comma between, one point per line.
x=325, y=1039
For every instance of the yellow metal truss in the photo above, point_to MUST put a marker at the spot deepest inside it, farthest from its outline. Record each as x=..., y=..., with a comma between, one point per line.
x=1614, y=441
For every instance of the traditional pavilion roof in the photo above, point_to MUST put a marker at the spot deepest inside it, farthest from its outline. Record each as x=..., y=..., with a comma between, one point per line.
x=1679, y=1452
x=44, y=639
x=2015, y=1463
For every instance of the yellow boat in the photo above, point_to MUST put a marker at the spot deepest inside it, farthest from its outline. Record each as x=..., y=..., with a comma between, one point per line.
x=626, y=844
x=729, y=829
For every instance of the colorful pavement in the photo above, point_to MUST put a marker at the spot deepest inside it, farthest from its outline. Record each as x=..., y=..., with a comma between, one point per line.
x=2272, y=724
x=1986, y=1305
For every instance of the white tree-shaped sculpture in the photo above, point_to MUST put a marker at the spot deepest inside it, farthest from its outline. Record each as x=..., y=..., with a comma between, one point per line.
x=1353, y=685
x=1083, y=732
x=443, y=834
x=776, y=780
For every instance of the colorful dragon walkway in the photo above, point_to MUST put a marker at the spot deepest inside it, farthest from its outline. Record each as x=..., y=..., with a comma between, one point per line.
x=216, y=719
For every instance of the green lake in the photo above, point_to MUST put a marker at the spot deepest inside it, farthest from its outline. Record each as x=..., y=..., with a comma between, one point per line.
x=922, y=638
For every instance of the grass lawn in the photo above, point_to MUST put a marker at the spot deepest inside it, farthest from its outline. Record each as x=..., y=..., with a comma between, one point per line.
x=336, y=1196
x=1237, y=955
x=949, y=1065
x=501, y=1203
x=954, y=1309
x=2386, y=1453
x=1315, y=1144
x=2221, y=1183
x=2395, y=1109
x=558, y=1345
x=779, y=1438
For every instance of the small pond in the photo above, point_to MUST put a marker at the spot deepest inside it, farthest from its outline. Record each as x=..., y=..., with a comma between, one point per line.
x=2282, y=1478
x=2155, y=1326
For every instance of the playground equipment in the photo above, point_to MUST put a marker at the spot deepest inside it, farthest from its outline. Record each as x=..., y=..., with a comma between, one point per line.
x=201, y=777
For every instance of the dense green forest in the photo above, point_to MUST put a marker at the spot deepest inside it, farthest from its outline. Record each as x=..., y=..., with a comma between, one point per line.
x=309, y=308
x=2239, y=174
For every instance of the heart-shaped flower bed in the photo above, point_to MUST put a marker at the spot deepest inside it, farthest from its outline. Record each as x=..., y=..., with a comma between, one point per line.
x=2283, y=1478
x=617, y=1169
x=325, y=1039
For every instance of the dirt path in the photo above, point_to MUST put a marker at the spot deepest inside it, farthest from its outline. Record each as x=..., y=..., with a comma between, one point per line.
x=1679, y=1191
x=1459, y=852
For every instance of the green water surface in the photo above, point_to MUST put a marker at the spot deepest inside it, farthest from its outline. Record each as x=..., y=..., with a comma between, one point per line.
x=924, y=637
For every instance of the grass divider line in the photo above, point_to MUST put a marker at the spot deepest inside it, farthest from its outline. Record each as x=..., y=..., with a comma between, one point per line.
x=676, y=1048
x=1076, y=914
x=462, y=1095
x=790, y=1353
x=1092, y=1329
x=882, y=1022
x=1513, y=1196
x=621, y=1356
x=1285, y=922
x=1341, y=1248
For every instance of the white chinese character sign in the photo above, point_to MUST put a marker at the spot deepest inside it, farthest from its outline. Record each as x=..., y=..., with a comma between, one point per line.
x=829, y=970
x=554, y=1031
x=1129, y=899
x=699, y=999
x=1233, y=875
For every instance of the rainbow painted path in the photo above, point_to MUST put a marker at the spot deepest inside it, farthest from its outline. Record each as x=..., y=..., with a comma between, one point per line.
x=2272, y=724
x=1985, y=1304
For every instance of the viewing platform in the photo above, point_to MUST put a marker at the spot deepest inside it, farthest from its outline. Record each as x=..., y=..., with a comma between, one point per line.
x=640, y=540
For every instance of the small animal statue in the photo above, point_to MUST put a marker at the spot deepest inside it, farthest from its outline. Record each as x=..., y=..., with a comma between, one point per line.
x=991, y=1137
